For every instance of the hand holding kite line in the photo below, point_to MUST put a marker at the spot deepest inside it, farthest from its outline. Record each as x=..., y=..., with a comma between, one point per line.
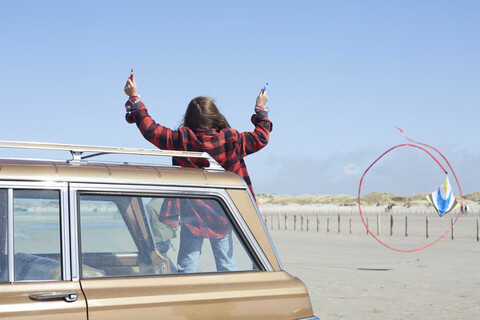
x=262, y=97
x=131, y=87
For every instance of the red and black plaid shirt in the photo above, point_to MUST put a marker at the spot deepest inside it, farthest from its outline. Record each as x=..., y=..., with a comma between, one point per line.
x=227, y=146
x=203, y=217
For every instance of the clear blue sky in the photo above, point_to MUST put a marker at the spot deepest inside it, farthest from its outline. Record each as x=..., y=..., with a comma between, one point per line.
x=342, y=75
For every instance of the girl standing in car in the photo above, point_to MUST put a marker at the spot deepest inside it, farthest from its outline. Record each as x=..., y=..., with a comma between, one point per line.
x=204, y=129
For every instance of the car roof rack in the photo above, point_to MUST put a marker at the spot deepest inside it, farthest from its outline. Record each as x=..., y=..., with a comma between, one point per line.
x=77, y=151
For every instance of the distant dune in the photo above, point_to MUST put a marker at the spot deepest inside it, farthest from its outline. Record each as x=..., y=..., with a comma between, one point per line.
x=371, y=199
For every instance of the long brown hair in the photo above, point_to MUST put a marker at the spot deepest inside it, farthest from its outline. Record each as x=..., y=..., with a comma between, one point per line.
x=202, y=113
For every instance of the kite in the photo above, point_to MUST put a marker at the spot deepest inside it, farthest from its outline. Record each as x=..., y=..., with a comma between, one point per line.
x=443, y=199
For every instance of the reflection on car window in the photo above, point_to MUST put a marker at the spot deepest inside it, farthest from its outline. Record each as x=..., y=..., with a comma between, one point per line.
x=133, y=235
x=37, y=235
x=103, y=228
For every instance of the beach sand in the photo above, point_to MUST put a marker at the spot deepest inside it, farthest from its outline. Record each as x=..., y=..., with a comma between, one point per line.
x=355, y=277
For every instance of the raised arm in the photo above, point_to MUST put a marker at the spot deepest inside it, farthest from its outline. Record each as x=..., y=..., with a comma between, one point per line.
x=253, y=141
x=160, y=136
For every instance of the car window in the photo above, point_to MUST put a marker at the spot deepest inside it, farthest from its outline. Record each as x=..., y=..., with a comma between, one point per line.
x=103, y=228
x=37, y=253
x=144, y=235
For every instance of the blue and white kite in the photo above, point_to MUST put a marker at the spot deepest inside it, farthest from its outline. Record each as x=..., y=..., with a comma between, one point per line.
x=443, y=199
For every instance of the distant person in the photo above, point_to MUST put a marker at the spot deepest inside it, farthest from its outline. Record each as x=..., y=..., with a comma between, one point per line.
x=204, y=129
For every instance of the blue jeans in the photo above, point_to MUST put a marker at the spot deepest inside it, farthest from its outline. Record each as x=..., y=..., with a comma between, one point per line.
x=191, y=249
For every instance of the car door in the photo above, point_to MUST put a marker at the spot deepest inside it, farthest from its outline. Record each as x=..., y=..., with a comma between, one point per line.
x=35, y=280
x=126, y=238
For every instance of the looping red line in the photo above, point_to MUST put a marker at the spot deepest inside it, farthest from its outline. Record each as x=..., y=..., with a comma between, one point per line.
x=426, y=145
x=436, y=160
x=445, y=159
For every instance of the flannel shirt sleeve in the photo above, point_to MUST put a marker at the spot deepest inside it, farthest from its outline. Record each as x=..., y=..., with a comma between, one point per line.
x=251, y=142
x=170, y=212
x=160, y=136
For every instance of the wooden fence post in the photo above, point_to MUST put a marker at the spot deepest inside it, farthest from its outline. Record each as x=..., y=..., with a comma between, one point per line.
x=338, y=222
x=391, y=224
x=279, y=224
x=406, y=226
x=301, y=222
x=478, y=231
x=295, y=222
x=367, y=227
x=426, y=227
x=452, y=228
x=328, y=225
x=318, y=222
x=286, y=222
x=350, y=225
x=266, y=223
x=378, y=224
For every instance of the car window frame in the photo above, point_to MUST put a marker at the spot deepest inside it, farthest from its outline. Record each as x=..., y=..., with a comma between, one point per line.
x=65, y=253
x=217, y=192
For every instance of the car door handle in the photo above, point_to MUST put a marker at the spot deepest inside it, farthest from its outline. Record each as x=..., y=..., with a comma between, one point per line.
x=68, y=296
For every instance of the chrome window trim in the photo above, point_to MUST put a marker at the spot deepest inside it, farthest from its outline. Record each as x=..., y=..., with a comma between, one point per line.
x=165, y=190
x=45, y=185
x=10, y=236
x=65, y=235
x=62, y=187
x=93, y=180
x=75, y=262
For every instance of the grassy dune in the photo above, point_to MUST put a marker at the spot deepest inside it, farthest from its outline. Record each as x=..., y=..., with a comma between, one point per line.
x=371, y=199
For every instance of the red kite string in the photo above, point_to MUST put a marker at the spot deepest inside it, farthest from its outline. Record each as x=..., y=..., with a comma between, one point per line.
x=416, y=145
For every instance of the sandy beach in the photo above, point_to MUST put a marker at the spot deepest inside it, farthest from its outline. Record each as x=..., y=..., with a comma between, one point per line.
x=354, y=277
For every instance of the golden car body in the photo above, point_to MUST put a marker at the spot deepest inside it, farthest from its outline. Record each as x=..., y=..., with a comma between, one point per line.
x=80, y=240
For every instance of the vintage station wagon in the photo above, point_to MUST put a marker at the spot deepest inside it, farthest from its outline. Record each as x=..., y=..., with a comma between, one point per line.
x=81, y=239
